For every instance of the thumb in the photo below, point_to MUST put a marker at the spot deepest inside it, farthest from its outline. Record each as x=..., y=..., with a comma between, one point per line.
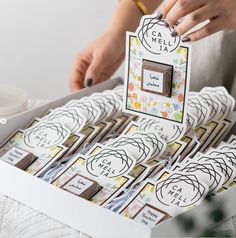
x=94, y=71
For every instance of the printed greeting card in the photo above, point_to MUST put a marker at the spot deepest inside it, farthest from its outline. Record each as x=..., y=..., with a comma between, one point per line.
x=157, y=73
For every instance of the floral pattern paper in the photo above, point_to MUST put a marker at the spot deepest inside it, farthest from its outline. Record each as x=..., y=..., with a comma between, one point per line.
x=143, y=103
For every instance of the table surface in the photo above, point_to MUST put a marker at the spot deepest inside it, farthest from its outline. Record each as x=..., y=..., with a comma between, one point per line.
x=20, y=221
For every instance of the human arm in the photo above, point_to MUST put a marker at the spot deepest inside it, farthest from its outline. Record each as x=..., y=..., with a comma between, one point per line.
x=102, y=58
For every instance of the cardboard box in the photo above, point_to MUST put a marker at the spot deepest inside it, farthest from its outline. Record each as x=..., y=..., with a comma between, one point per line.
x=75, y=211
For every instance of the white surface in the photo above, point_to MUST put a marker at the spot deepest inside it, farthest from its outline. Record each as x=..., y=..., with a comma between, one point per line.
x=12, y=100
x=40, y=40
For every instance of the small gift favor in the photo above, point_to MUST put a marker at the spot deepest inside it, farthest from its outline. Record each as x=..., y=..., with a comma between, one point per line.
x=157, y=78
x=81, y=186
x=18, y=157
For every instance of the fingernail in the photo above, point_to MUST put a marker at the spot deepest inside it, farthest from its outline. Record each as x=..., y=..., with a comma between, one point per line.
x=167, y=25
x=88, y=82
x=159, y=16
x=186, y=39
x=174, y=33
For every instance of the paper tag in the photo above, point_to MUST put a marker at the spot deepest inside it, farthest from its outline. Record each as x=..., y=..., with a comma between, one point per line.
x=87, y=107
x=109, y=163
x=70, y=117
x=157, y=73
x=150, y=215
x=213, y=103
x=158, y=144
x=46, y=135
x=155, y=36
x=136, y=146
x=179, y=191
x=199, y=108
x=45, y=156
x=110, y=188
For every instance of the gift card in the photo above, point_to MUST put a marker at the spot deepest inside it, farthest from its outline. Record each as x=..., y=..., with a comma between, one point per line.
x=43, y=157
x=115, y=101
x=229, y=155
x=119, y=91
x=173, y=194
x=73, y=141
x=109, y=163
x=46, y=135
x=157, y=73
x=109, y=190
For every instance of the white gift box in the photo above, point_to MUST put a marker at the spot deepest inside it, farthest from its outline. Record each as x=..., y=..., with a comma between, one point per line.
x=76, y=212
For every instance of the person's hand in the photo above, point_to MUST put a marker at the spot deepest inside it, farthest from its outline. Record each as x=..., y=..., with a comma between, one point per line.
x=98, y=61
x=221, y=13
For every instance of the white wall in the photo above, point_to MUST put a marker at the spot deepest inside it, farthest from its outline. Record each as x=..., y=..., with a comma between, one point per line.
x=39, y=40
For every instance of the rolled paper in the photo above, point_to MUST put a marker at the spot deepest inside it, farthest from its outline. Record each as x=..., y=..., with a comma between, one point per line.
x=157, y=78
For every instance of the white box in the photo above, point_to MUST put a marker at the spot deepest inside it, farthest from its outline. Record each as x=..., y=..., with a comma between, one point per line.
x=77, y=212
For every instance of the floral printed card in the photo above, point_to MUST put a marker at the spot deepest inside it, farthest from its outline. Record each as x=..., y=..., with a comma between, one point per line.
x=157, y=73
